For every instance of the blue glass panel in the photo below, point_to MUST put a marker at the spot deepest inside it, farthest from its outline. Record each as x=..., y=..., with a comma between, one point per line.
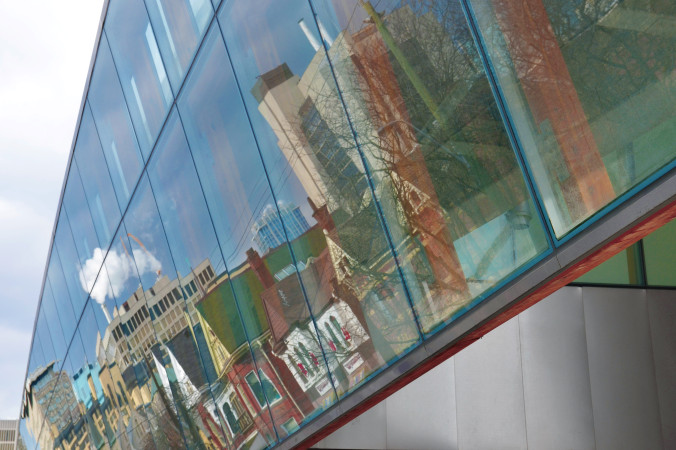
x=179, y=27
x=172, y=348
x=59, y=337
x=341, y=251
x=449, y=185
x=62, y=299
x=114, y=126
x=84, y=233
x=576, y=76
x=96, y=180
x=197, y=255
x=130, y=344
x=74, y=403
x=238, y=194
x=70, y=262
x=140, y=68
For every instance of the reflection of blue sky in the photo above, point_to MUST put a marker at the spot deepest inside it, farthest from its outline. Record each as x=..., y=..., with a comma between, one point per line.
x=180, y=202
x=225, y=151
x=143, y=222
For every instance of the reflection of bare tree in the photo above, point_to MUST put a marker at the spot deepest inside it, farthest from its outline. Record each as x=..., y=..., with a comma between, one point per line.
x=432, y=138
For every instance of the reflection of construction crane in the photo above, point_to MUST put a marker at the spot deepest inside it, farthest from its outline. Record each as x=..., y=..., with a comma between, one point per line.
x=138, y=241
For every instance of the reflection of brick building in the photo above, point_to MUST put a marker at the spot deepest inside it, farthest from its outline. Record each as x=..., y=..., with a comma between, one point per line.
x=246, y=388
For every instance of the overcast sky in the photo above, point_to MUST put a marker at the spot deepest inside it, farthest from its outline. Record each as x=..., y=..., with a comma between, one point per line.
x=45, y=50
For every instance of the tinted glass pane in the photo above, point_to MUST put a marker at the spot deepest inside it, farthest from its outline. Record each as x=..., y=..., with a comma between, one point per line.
x=179, y=27
x=659, y=249
x=191, y=238
x=237, y=193
x=52, y=326
x=70, y=262
x=62, y=300
x=129, y=344
x=100, y=385
x=172, y=348
x=72, y=398
x=113, y=124
x=59, y=410
x=96, y=180
x=576, y=75
x=140, y=68
x=449, y=184
x=340, y=249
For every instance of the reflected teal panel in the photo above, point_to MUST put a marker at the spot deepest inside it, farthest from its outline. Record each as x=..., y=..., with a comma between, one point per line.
x=96, y=181
x=179, y=27
x=659, y=250
x=140, y=68
x=449, y=184
x=114, y=126
x=238, y=194
x=72, y=401
x=590, y=88
x=361, y=316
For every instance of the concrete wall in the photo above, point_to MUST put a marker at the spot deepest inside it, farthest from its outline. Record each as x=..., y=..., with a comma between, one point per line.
x=584, y=368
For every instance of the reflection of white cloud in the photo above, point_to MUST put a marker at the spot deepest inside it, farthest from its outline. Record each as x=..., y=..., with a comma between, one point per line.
x=119, y=268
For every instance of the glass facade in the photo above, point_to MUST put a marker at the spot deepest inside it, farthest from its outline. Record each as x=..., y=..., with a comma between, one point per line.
x=271, y=202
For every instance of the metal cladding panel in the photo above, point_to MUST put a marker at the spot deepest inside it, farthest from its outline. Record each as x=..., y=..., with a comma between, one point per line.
x=621, y=369
x=556, y=373
x=423, y=414
x=489, y=387
x=368, y=431
x=662, y=314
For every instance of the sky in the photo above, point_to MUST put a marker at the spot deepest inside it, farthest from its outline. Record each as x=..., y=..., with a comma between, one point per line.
x=45, y=51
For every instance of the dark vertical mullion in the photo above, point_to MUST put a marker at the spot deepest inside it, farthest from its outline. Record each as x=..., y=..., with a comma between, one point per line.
x=508, y=123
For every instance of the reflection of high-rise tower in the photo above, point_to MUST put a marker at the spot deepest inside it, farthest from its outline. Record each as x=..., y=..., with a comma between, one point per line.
x=312, y=134
x=55, y=413
x=268, y=232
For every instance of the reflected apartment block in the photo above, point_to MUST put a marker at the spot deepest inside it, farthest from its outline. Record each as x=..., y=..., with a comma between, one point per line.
x=276, y=213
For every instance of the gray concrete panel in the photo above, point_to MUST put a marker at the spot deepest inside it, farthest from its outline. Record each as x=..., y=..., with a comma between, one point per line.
x=422, y=415
x=556, y=373
x=489, y=392
x=662, y=314
x=624, y=391
x=368, y=431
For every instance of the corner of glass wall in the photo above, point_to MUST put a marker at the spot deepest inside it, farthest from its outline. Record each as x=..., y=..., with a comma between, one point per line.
x=449, y=185
x=575, y=77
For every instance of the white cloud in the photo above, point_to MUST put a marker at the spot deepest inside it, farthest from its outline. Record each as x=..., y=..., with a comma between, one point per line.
x=119, y=268
x=45, y=50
